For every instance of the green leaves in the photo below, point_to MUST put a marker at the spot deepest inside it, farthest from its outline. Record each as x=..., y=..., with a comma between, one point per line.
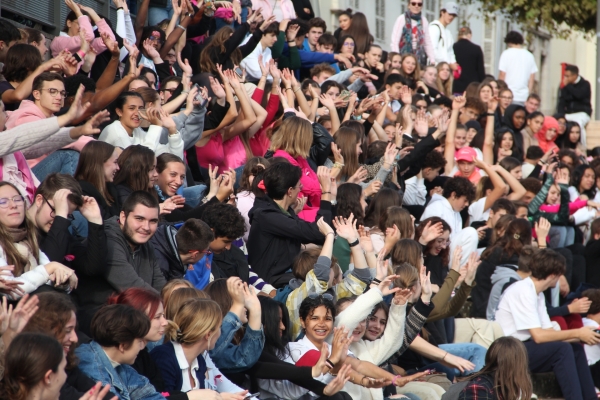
x=557, y=17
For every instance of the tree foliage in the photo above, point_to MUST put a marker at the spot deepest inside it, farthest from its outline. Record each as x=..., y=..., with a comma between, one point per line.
x=558, y=17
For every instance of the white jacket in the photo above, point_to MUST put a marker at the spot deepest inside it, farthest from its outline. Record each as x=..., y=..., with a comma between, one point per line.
x=116, y=135
x=377, y=351
x=443, y=42
x=439, y=206
x=35, y=277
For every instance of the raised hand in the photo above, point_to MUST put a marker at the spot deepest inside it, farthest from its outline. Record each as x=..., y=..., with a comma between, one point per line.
x=359, y=176
x=421, y=123
x=324, y=176
x=346, y=228
x=95, y=393
x=365, y=240
x=542, y=228
x=324, y=227
x=431, y=232
x=425, y=279
x=171, y=204
x=458, y=102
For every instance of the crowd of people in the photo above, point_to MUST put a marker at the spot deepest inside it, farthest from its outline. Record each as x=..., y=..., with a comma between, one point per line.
x=225, y=200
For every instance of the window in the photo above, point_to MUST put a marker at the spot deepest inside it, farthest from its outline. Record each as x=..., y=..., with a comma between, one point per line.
x=380, y=8
x=380, y=29
x=488, y=44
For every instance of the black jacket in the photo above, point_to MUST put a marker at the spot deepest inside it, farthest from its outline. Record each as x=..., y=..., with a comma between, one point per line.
x=480, y=294
x=87, y=256
x=77, y=384
x=230, y=263
x=166, y=253
x=470, y=58
x=275, y=238
x=575, y=97
x=106, y=210
x=300, y=5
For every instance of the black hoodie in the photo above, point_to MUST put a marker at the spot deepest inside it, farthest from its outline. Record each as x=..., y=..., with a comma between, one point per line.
x=507, y=121
x=275, y=238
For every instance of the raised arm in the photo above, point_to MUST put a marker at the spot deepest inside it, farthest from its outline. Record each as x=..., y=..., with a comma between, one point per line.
x=450, y=149
x=488, y=141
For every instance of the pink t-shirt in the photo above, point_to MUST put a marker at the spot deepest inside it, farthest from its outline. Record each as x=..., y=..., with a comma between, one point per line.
x=212, y=152
x=260, y=143
x=234, y=152
x=311, y=188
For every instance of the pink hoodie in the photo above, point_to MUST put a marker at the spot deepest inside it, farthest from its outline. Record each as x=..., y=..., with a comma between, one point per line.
x=73, y=43
x=29, y=112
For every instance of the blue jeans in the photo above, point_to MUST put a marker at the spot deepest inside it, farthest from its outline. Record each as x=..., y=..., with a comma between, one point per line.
x=79, y=226
x=62, y=161
x=193, y=194
x=469, y=351
x=561, y=236
x=157, y=14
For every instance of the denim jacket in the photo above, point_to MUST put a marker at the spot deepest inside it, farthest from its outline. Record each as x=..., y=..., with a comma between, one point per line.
x=124, y=381
x=231, y=358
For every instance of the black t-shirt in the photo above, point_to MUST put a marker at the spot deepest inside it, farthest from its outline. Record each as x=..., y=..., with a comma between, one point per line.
x=485, y=242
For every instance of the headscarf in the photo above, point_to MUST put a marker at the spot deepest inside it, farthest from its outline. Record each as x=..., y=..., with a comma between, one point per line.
x=546, y=145
x=508, y=117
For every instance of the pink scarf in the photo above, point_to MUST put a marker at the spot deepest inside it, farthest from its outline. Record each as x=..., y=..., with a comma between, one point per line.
x=24, y=169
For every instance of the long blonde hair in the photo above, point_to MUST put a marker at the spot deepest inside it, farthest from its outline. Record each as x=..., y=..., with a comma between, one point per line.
x=13, y=256
x=444, y=87
x=194, y=320
x=294, y=136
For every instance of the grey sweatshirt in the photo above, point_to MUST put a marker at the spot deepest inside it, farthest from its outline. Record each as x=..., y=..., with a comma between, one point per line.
x=501, y=276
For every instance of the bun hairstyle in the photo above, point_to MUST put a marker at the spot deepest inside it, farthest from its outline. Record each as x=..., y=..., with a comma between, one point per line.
x=28, y=358
x=194, y=321
x=407, y=276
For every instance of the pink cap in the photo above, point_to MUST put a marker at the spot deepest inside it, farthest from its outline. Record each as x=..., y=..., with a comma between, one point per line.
x=465, y=154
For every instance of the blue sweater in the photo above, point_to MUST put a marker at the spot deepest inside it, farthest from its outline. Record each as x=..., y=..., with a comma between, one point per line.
x=166, y=361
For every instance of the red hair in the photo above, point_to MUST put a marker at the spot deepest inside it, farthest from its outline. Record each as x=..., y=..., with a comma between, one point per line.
x=139, y=299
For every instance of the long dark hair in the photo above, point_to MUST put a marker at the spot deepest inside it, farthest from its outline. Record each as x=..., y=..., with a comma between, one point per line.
x=275, y=342
x=341, y=44
x=349, y=202
x=359, y=30
x=13, y=256
x=21, y=60
x=385, y=198
x=28, y=358
x=576, y=176
x=517, y=235
x=217, y=46
x=444, y=254
x=135, y=162
x=498, y=135
x=506, y=361
x=90, y=167
x=566, y=142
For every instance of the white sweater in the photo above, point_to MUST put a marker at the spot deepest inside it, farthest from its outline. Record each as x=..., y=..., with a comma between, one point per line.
x=116, y=135
x=35, y=138
x=37, y=274
x=377, y=351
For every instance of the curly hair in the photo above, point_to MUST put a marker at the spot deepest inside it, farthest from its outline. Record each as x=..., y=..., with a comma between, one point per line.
x=225, y=220
x=434, y=160
x=460, y=187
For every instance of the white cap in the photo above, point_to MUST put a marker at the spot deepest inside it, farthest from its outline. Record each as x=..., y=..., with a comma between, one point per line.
x=451, y=8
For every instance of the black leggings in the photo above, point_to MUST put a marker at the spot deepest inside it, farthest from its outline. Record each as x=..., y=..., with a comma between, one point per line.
x=271, y=367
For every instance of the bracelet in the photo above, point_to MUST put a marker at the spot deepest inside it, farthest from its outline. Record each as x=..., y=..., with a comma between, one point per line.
x=322, y=193
x=338, y=165
x=120, y=8
x=185, y=91
x=330, y=233
x=328, y=362
x=297, y=89
x=355, y=243
x=395, y=378
x=443, y=358
x=181, y=27
x=375, y=281
x=291, y=41
x=490, y=114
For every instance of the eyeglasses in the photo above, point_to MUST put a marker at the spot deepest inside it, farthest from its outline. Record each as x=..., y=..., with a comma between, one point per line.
x=349, y=44
x=299, y=186
x=416, y=4
x=70, y=217
x=326, y=296
x=17, y=200
x=156, y=39
x=422, y=107
x=53, y=92
x=168, y=90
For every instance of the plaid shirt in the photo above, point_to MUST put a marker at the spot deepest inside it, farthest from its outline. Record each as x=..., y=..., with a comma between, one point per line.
x=480, y=388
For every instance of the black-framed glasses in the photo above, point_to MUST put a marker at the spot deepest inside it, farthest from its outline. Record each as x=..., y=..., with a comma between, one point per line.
x=70, y=217
x=53, y=92
x=17, y=200
x=156, y=39
x=416, y=4
x=326, y=296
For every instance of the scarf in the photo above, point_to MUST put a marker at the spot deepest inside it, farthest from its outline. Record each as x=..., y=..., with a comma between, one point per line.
x=14, y=169
x=17, y=234
x=406, y=41
x=546, y=145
